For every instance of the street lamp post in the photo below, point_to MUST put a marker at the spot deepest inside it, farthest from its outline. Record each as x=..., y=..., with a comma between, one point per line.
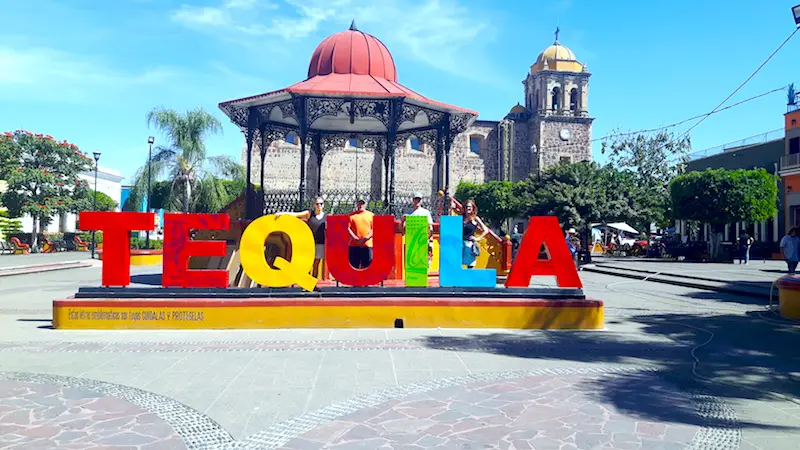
x=94, y=203
x=150, y=141
x=796, y=12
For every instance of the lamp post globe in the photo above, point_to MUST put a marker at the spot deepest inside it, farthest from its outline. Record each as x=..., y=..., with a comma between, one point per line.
x=150, y=141
x=94, y=202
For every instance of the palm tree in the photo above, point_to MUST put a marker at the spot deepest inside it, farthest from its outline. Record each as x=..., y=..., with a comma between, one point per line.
x=194, y=187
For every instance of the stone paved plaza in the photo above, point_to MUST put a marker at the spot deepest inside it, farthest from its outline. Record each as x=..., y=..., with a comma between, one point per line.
x=675, y=368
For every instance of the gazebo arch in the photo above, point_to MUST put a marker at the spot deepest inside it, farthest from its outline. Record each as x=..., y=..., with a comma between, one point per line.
x=351, y=92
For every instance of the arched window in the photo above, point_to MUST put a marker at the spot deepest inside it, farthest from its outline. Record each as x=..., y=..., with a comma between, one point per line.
x=573, y=99
x=556, y=98
x=414, y=144
x=475, y=144
x=292, y=138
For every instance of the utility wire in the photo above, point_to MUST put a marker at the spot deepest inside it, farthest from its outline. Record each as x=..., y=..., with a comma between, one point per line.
x=744, y=82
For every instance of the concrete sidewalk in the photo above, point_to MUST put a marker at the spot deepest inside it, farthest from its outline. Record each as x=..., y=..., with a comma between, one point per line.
x=755, y=279
x=44, y=262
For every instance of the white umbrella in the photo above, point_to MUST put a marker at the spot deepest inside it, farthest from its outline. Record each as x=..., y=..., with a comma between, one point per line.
x=622, y=226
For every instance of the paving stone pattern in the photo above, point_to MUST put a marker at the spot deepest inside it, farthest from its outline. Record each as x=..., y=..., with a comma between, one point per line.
x=548, y=408
x=536, y=412
x=36, y=415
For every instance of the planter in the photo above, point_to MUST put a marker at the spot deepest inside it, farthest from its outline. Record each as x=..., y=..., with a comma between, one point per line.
x=789, y=296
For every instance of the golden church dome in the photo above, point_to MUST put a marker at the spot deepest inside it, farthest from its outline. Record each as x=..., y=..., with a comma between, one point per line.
x=557, y=58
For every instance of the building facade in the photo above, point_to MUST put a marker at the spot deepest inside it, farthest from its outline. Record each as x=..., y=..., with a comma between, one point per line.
x=552, y=127
x=790, y=165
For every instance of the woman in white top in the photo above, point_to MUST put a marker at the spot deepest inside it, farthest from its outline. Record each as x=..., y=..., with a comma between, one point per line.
x=789, y=246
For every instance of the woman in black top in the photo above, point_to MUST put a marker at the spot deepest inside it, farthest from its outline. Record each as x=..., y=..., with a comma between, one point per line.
x=316, y=221
x=472, y=224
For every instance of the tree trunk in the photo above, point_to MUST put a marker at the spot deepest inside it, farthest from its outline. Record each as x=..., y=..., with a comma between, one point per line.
x=716, y=238
x=35, y=233
x=187, y=196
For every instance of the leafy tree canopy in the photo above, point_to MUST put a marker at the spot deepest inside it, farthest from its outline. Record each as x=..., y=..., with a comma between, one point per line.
x=104, y=202
x=653, y=159
x=42, y=175
x=580, y=193
x=496, y=200
x=720, y=196
x=194, y=178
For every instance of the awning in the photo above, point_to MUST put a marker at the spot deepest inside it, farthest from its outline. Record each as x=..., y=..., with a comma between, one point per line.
x=621, y=226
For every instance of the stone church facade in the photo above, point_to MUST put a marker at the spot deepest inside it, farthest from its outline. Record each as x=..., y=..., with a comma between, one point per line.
x=552, y=127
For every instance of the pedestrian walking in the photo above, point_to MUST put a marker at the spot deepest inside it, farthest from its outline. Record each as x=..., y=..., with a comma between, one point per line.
x=744, y=242
x=789, y=246
x=574, y=245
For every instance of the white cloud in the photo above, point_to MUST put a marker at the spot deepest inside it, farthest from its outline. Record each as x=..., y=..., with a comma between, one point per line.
x=56, y=75
x=439, y=33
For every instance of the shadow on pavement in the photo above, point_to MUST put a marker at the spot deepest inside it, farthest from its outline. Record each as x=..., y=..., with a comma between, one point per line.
x=747, y=350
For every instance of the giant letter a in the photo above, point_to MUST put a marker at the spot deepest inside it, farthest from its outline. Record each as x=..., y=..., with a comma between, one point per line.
x=544, y=230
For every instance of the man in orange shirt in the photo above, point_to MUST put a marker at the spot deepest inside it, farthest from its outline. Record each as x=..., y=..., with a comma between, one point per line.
x=360, y=247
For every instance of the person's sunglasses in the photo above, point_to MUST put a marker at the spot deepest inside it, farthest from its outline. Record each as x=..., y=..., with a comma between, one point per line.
x=320, y=203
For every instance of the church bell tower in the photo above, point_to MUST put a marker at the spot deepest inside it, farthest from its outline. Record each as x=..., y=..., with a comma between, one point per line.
x=557, y=95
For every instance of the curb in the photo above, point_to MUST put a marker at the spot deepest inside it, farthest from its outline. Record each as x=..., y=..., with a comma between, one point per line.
x=38, y=268
x=754, y=292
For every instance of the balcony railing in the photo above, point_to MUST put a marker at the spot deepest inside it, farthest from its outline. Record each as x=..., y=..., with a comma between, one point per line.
x=789, y=162
x=792, y=107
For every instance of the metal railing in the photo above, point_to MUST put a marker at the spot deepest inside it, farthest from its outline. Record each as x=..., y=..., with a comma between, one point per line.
x=752, y=140
x=344, y=201
x=790, y=161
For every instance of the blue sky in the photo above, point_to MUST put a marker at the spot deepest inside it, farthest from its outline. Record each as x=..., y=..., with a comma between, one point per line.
x=88, y=71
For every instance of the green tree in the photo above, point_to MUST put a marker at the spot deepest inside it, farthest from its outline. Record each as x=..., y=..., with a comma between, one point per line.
x=653, y=160
x=720, y=196
x=104, y=202
x=9, y=225
x=579, y=194
x=194, y=176
x=496, y=200
x=42, y=176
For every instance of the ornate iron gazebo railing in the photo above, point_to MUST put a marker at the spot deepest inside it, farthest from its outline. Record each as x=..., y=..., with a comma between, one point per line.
x=344, y=202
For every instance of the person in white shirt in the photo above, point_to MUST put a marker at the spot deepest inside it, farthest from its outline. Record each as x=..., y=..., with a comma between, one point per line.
x=418, y=210
x=790, y=244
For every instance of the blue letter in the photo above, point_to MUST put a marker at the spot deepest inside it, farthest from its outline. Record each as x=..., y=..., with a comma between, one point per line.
x=450, y=250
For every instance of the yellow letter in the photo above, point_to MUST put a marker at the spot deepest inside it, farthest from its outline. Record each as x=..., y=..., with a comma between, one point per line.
x=254, y=262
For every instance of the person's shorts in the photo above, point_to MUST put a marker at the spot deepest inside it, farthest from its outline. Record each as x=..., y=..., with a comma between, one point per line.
x=360, y=257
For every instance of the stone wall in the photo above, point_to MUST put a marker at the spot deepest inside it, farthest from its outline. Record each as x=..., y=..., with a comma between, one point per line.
x=415, y=170
x=546, y=135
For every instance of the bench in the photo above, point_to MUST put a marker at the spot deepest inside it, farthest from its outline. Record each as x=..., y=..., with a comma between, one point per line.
x=19, y=247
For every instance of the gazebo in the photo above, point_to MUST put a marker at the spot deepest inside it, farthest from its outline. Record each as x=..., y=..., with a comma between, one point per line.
x=351, y=92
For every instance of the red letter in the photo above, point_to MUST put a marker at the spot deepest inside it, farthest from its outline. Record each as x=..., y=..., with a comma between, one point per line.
x=337, y=251
x=116, y=228
x=544, y=230
x=178, y=248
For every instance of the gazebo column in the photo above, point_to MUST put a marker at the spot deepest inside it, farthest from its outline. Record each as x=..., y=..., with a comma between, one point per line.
x=447, y=142
x=300, y=107
x=385, y=153
x=438, y=161
x=395, y=112
x=261, y=202
x=317, y=147
x=248, y=194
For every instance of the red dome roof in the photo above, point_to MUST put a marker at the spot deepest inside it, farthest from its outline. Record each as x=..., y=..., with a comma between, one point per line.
x=352, y=52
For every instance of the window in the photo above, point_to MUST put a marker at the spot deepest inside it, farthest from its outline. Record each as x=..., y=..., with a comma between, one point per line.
x=573, y=99
x=475, y=144
x=414, y=144
x=794, y=145
x=352, y=143
x=565, y=160
x=556, y=97
x=291, y=138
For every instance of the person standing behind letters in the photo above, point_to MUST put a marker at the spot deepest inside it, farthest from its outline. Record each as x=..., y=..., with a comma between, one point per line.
x=418, y=210
x=361, y=228
x=316, y=221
